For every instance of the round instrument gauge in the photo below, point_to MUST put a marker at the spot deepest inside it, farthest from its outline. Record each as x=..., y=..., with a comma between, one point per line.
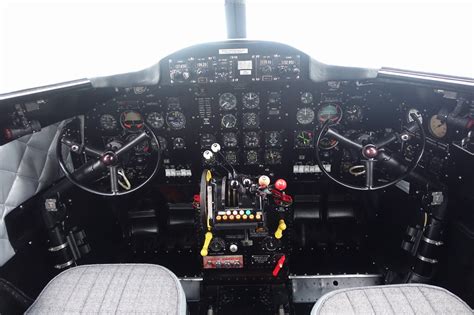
x=251, y=157
x=228, y=121
x=162, y=144
x=353, y=114
x=207, y=140
x=273, y=157
x=270, y=243
x=438, y=128
x=305, y=115
x=131, y=120
x=227, y=101
x=229, y=140
x=108, y=122
x=176, y=120
x=332, y=112
x=179, y=144
x=140, y=90
x=274, y=98
x=273, y=139
x=251, y=139
x=327, y=143
x=251, y=100
x=250, y=120
x=417, y=113
x=155, y=120
x=231, y=157
x=304, y=139
x=306, y=98
x=142, y=147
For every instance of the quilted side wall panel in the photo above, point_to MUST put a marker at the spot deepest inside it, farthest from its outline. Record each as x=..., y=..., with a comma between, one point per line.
x=27, y=165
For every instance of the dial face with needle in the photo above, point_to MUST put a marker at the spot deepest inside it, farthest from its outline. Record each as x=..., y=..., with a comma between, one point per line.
x=305, y=115
x=304, y=139
x=438, y=128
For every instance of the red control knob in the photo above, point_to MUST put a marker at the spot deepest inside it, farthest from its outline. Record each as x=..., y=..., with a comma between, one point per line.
x=197, y=198
x=280, y=184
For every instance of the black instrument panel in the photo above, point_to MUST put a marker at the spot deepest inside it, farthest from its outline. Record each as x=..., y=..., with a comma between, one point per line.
x=235, y=63
x=264, y=123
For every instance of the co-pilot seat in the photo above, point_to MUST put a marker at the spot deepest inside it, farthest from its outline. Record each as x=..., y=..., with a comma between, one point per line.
x=115, y=288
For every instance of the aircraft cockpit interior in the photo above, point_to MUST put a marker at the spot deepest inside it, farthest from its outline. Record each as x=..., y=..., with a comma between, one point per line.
x=239, y=176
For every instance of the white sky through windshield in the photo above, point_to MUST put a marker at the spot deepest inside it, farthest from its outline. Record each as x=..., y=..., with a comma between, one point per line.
x=46, y=42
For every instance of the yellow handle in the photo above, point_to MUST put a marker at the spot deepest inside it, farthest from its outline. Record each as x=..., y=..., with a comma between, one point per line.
x=207, y=241
x=281, y=227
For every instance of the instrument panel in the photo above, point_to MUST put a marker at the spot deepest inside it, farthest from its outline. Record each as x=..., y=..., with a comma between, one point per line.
x=261, y=126
x=260, y=106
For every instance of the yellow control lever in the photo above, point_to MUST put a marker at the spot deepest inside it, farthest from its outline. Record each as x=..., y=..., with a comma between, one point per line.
x=207, y=241
x=281, y=227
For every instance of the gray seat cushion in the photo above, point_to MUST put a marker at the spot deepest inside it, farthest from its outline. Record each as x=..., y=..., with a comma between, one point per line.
x=117, y=289
x=391, y=299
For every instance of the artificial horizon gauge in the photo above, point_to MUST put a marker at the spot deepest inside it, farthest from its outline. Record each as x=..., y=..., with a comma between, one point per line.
x=131, y=120
x=332, y=112
x=227, y=101
x=155, y=120
x=305, y=115
x=251, y=100
x=108, y=122
x=438, y=128
x=306, y=98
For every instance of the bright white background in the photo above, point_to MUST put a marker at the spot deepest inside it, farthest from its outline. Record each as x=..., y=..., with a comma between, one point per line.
x=44, y=42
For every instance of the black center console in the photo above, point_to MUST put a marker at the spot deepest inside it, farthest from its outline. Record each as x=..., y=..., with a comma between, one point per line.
x=245, y=222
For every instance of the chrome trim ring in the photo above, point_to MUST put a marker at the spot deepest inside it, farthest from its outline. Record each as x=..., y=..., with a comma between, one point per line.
x=428, y=260
x=58, y=248
x=432, y=242
x=66, y=264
